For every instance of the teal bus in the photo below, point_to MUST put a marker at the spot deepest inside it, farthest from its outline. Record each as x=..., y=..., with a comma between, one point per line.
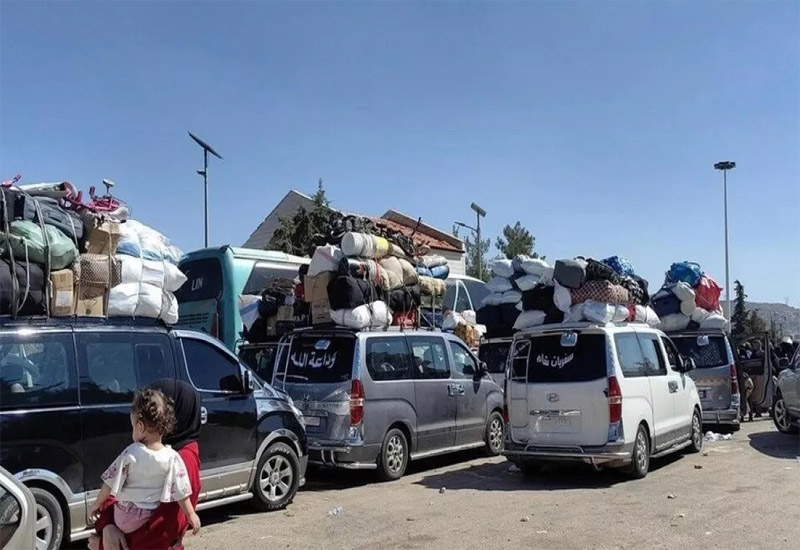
x=209, y=300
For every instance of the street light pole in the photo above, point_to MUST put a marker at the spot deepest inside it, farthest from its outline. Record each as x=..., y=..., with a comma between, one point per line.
x=481, y=213
x=724, y=166
x=204, y=172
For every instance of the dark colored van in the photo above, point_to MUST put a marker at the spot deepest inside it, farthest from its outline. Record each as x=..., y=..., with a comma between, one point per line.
x=65, y=393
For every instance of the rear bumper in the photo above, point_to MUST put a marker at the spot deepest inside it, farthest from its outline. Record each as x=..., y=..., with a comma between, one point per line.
x=728, y=417
x=617, y=452
x=343, y=454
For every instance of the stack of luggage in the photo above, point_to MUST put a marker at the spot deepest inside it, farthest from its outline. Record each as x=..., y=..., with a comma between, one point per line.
x=369, y=282
x=511, y=280
x=272, y=313
x=689, y=300
x=60, y=257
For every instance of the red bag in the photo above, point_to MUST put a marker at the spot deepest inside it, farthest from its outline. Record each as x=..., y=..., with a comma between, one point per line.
x=407, y=320
x=707, y=294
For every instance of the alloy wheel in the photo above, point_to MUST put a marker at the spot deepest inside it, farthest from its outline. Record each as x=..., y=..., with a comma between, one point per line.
x=44, y=528
x=395, y=454
x=276, y=478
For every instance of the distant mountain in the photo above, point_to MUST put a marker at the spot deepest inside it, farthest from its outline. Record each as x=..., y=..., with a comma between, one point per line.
x=783, y=314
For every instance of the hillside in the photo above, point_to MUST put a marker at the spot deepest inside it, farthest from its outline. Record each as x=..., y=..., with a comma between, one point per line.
x=783, y=314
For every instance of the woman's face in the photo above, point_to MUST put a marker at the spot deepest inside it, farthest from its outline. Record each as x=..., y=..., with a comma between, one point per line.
x=137, y=429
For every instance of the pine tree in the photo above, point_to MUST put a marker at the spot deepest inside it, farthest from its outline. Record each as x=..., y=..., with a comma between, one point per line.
x=294, y=233
x=755, y=324
x=516, y=240
x=739, y=317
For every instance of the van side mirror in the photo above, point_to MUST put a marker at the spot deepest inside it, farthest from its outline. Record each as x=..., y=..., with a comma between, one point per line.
x=247, y=381
x=686, y=364
x=483, y=369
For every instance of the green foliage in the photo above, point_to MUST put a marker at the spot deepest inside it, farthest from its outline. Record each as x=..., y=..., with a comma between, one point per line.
x=739, y=317
x=516, y=240
x=294, y=233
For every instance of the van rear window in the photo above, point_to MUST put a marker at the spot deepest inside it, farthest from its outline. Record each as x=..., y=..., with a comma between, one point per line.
x=319, y=359
x=708, y=355
x=549, y=362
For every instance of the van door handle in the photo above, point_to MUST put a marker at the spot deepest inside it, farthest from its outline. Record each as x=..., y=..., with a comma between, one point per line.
x=673, y=386
x=460, y=389
x=203, y=415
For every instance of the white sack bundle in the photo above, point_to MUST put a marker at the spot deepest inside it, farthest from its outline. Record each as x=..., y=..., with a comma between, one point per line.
x=529, y=319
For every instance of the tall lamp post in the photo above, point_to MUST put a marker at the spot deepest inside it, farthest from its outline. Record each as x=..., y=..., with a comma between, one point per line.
x=204, y=172
x=481, y=213
x=724, y=166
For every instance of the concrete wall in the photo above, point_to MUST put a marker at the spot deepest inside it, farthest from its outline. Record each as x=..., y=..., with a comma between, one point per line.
x=287, y=207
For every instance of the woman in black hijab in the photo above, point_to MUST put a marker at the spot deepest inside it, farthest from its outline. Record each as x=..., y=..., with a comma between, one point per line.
x=167, y=525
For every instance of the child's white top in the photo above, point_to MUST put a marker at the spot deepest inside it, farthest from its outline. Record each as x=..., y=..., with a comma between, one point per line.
x=146, y=477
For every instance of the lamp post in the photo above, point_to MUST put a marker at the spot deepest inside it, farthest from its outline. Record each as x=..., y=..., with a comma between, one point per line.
x=480, y=213
x=204, y=172
x=724, y=166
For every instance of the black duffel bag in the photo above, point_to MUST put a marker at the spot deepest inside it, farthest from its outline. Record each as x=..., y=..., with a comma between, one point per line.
x=405, y=299
x=539, y=298
x=67, y=221
x=349, y=293
x=30, y=287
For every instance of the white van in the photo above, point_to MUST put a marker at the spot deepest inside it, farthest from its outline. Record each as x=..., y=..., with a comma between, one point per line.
x=608, y=395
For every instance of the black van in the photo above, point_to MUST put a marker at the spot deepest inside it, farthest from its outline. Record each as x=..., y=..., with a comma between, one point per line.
x=65, y=393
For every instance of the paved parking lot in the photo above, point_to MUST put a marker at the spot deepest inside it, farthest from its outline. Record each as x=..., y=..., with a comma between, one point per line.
x=742, y=493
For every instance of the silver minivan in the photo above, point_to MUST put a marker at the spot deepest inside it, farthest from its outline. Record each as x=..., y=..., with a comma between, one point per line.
x=377, y=399
x=715, y=377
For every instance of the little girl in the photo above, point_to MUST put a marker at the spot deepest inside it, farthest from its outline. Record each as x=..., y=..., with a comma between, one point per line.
x=147, y=472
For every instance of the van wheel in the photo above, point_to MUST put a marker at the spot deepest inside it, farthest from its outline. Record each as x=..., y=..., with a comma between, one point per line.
x=393, y=460
x=49, y=520
x=277, y=478
x=640, y=456
x=697, y=433
x=494, y=434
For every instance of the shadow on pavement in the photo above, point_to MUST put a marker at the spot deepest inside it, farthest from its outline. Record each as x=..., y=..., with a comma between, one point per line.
x=775, y=444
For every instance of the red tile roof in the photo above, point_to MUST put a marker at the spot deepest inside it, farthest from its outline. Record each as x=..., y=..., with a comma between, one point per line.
x=419, y=238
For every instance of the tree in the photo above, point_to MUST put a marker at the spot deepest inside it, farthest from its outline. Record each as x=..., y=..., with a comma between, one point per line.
x=473, y=253
x=516, y=240
x=295, y=233
x=739, y=317
x=755, y=325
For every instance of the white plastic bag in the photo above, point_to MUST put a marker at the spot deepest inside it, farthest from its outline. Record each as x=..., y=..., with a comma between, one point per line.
x=469, y=316
x=493, y=299
x=674, y=322
x=499, y=284
x=714, y=322
x=575, y=314
x=375, y=315
x=700, y=315
x=528, y=319
x=141, y=241
x=160, y=273
x=502, y=268
x=645, y=314
x=621, y=314
x=562, y=297
x=526, y=282
x=598, y=312
x=452, y=320
x=512, y=297
x=547, y=277
x=683, y=291
x=688, y=307
x=531, y=266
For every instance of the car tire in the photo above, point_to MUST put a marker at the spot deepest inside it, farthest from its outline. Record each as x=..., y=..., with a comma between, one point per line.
x=49, y=520
x=393, y=460
x=495, y=432
x=277, y=478
x=696, y=435
x=780, y=417
x=640, y=455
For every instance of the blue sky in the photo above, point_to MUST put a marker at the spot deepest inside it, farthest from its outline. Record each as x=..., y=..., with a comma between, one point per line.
x=595, y=124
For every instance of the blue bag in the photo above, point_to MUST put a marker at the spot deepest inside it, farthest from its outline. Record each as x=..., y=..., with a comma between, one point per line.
x=686, y=272
x=622, y=266
x=665, y=303
x=424, y=271
x=440, y=271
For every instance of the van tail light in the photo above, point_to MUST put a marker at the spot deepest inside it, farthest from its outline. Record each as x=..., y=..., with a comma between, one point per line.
x=505, y=402
x=356, y=402
x=614, y=401
x=734, y=380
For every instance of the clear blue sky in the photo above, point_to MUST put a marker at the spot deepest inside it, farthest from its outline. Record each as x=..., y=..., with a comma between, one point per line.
x=594, y=124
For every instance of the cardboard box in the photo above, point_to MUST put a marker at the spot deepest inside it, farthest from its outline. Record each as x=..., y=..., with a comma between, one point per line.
x=316, y=290
x=91, y=301
x=285, y=313
x=62, y=295
x=103, y=238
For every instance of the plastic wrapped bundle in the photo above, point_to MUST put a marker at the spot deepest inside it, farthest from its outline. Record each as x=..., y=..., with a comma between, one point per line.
x=432, y=261
x=160, y=273
x=674, y=322
x=529, y=319
x=375, y=315
x=499, y=284
x=502, y=268
x=142, y=300
x=440, y=271
x=29, y=244
x=530, y=266
x=364, y=246
x=141, y=241
x=526, y=282
x=687, y=272
x=325, y=258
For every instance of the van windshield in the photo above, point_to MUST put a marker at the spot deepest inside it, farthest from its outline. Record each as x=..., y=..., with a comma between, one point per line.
x=706, y=356
x=494, y=354
x=318, y=359
x=549, y=362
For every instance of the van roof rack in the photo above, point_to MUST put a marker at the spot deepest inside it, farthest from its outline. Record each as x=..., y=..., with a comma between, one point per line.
x=43, y=321
x=331, y=327
x=552, y=327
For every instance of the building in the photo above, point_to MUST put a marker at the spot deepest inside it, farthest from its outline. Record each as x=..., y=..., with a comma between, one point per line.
x=440, y=242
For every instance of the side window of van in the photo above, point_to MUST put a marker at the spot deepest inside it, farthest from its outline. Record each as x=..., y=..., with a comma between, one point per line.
x=629, y=353
x=210, y=369
x=388, y=359
x=116, y=364
x=430, y=357
x=672, y=353
x=652, y=355
x=465, y=364
x=37, y=370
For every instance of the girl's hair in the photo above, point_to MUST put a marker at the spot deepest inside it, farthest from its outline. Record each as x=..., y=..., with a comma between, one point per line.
x=154, y=410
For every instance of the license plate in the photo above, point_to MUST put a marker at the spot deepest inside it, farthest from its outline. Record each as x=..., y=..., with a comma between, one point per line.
x=312, y=420
x=557, y=420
